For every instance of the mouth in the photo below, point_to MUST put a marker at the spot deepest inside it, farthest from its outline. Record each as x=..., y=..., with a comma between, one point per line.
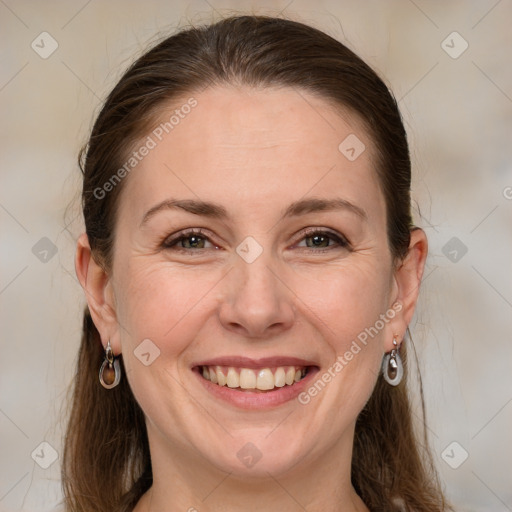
x=255, y=384
x=255, y=380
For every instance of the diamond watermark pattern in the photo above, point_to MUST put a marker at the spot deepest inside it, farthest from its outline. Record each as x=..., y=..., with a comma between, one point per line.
x=454, y=249
x=146, y=352
x=44, y=250
x=249, y=249
x=249, y=455
x=44, y=45
x=45, y=455
x=454, y=45
x=351, y=147
x=454, y=455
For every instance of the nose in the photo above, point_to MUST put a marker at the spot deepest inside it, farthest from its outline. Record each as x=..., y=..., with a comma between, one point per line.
x=257, y=303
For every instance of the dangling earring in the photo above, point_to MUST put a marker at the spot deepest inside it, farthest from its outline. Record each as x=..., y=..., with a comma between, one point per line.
x=110, y=371
x=392, y=367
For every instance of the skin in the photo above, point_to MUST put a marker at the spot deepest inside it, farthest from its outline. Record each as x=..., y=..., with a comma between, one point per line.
x=254, y=152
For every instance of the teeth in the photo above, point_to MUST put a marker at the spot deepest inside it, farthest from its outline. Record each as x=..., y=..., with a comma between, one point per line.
x=221, y=378
x=233, y=380
x=290, y=375
x=245, y=378
x=280, y=377
x=265, y=380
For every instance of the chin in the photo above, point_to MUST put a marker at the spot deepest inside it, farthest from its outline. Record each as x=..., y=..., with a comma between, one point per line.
x=256, y=454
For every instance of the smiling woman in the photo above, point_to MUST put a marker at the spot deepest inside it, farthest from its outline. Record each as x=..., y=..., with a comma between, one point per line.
x=250, y=284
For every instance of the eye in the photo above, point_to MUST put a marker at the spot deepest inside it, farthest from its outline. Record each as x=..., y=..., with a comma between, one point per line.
x=322, y=240
x=317, y=240
x=188, y=240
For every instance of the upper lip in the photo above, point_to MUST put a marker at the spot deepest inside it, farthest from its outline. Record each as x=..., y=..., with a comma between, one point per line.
x=247, y=362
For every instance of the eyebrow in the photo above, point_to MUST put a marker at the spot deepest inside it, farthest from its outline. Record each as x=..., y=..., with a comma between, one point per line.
x=304, y=206
x=217, y=211
x=194, y=206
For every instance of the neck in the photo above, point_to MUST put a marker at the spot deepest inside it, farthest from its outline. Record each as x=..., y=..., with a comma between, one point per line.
x=186, y=482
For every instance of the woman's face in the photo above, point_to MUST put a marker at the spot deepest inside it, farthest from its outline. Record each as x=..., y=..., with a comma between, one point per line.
x=287, y=272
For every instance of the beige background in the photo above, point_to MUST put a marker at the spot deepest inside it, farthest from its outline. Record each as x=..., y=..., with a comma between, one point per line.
x=458, y=113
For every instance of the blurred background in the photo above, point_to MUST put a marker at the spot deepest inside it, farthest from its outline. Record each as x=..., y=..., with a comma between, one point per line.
x=449, y=65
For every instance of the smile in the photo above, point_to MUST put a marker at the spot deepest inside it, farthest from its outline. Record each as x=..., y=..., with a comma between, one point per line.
x=262, y=379
x=255, y=384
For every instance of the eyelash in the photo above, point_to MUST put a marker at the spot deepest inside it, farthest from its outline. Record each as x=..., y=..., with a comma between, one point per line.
x=341, y=241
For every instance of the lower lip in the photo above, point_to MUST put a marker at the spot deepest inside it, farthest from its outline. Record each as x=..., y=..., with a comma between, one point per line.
x=251, y=400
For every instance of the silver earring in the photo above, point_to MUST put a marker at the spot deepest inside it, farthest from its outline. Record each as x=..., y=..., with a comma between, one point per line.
x=392, y=367
x=110, y=371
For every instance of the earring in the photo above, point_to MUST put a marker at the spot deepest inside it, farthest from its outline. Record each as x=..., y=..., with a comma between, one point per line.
x=392, y=367
x=110, y=371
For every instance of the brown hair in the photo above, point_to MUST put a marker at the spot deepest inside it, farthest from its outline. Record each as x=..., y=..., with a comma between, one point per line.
x=106, y=464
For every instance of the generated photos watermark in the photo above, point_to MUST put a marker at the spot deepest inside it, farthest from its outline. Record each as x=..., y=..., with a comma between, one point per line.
x=342, y=360
x=151, y=142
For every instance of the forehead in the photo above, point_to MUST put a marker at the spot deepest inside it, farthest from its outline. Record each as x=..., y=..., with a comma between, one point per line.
x=258, y=146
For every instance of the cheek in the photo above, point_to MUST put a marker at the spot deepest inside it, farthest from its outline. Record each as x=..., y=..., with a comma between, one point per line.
x=350, y=309
x=160, y=311
x=347, y=299
x=349, y=304
x=163, y=303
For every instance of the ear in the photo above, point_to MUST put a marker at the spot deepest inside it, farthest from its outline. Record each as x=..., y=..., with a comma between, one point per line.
x=407, y=280
x=97, y=286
